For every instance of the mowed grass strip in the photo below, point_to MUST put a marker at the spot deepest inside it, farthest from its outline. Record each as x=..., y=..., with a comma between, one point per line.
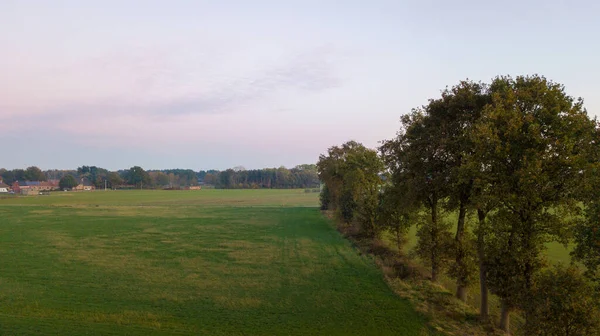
x=252, y=262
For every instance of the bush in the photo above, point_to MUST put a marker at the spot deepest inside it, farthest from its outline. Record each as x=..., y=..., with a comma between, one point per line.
x=563, y=302
x=325, y=198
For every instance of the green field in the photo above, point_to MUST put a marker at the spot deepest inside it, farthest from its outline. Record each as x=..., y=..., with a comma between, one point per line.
x=214, y=262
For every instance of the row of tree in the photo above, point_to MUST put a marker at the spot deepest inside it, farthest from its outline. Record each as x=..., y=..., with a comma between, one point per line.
x=302, y=176
x=30, y=174
x=518, y=156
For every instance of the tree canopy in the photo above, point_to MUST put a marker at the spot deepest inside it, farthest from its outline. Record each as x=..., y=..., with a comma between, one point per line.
x=67, y=182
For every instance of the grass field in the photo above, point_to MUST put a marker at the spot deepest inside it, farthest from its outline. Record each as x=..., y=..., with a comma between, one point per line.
x=214, y=262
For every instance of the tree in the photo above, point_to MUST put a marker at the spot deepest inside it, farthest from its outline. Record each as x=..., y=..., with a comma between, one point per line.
x=457, y=112
x=483, y=202
x=210, y=178
x=226, y=179
x=160, y=179
x=34, y=173
x=396, y=212
x=587, y=239
x=137, y=176
x=94, y=174
x=562, y=302
x=324, y=198
x=19, y=175
x=8, y=177
x=534, y=141
x=416, y=159
x=434, y=243
x=329, y=171
x=361, y=171
x=587, y=230
x=67, y=182
x=351, y=174
x=114, y=179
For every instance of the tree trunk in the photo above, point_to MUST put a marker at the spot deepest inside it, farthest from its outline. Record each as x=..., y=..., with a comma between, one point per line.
x=483, y=308
x=461, y=288
x=461, y=293
x=434, y=268
x=529, y=268
x=505, y=318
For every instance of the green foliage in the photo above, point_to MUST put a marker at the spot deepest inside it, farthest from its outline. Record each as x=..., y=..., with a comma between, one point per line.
x=395, y=214
x=347, y=206
x=324, y=198
x=418, y=164
x=96, y=175
x=562, y=302
x=10, y=176
x=137, y=176
x=302, y=176
x=587, y=240
x=519, y=149
x=533, y=141
x=465, y=271
x=434, y=244
x=352, y=174
x=114, y=179
x=67, y=182
x=34, y=174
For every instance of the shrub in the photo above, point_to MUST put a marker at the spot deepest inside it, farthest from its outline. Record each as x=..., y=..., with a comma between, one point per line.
x=562, y=302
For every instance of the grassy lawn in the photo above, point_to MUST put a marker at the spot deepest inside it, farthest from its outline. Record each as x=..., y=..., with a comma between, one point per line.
x=214, y=262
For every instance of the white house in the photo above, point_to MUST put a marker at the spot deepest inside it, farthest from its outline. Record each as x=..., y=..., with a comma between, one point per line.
x=4, y=188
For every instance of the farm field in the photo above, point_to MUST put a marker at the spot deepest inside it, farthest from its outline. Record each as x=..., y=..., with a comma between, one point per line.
x=214, y=262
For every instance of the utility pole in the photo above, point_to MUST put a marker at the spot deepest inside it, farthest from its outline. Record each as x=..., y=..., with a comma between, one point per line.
x=104, y=184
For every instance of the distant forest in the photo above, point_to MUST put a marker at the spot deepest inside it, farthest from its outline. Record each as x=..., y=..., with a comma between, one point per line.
x=302, y=176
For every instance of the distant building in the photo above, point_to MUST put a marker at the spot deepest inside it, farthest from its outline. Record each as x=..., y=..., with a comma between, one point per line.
x=4, y=188
x=194, y=188
x=84, y=185
x=34, y=187
x=29, y=192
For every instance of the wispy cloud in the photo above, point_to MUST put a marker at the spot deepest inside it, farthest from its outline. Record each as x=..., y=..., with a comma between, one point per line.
x=311, y=71
x=142, y=113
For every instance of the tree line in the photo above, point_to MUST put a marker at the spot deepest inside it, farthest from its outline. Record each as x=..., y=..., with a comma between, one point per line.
x=302, y=176
x=517, y=161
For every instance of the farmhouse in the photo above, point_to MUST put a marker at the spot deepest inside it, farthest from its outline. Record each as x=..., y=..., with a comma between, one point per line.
x=34, y=187
x=4, y=188
x=84, y=185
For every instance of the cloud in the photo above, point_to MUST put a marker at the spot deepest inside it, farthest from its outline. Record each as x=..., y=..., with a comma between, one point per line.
x=168, y=104
x=154, y=85
x=310, y=72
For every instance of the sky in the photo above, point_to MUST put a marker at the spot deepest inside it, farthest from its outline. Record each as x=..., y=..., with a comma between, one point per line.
x=216, y=84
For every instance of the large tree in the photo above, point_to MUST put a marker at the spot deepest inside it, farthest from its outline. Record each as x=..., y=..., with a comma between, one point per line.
x=67, y=182
x=159, y=178
x=8, y=176
x=114, y=179
x=451, y=120
x=138, y=176
x=416, y=158
x=352, y=176
x=34, y=173
x=533, y=140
